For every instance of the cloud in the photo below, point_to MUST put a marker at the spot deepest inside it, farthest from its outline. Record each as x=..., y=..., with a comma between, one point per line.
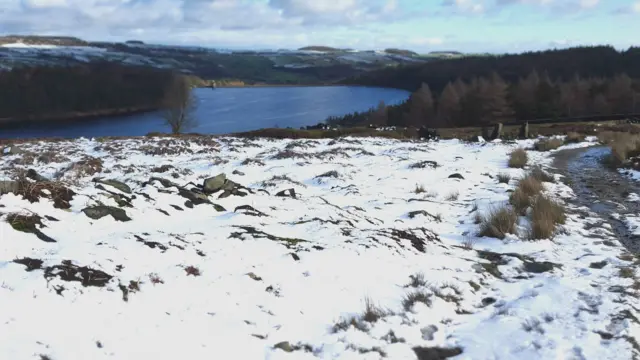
x=465, y=6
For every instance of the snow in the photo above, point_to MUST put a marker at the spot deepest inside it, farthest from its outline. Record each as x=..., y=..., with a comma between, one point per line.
x=350, y=254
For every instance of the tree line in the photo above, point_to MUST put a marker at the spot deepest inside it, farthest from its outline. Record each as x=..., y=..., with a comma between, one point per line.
x=491, y=99
x=589, y=62
x=53, y=92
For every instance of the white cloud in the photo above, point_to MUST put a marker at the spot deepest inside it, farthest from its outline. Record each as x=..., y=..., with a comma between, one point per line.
x=636, y=6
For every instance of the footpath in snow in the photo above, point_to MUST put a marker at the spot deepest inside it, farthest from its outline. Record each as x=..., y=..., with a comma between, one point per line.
x=332, y=249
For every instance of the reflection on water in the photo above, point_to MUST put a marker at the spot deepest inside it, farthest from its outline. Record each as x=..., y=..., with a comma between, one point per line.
x=223, y=111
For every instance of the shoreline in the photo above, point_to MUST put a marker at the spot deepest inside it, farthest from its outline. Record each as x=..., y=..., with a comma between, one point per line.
x=73, y=116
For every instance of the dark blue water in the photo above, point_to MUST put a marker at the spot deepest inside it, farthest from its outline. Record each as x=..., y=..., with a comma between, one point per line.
x=222, y=111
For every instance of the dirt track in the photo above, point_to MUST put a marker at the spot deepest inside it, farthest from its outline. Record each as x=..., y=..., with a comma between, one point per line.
x=602, y=190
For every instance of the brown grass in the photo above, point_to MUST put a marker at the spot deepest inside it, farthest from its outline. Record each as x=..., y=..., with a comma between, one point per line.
x=419, y=189
x=518, y=158
x=548, y=144
x=499, y=222
x=546, y=215
x=574, y=137
x=623, y=146
x=541, y=175
x=527, y=187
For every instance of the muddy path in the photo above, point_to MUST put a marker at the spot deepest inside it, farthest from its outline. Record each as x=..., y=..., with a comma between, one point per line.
x=602, y=190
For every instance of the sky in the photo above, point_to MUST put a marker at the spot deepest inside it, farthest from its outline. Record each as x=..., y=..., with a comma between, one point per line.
x=419, y=25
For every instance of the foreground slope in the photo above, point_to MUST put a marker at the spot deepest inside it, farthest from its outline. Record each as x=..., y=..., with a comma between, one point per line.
x=289, y=276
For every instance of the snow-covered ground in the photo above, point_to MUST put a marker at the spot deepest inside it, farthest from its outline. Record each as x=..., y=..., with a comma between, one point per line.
x=186, y=281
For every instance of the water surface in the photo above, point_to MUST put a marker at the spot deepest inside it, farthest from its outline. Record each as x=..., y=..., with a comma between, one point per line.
x=227, y=110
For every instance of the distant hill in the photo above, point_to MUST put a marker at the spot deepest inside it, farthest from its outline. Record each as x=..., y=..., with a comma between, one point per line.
x=42, y=40
x=400, y=52
x=134, y=42
x=320, y=48
x=445, y=53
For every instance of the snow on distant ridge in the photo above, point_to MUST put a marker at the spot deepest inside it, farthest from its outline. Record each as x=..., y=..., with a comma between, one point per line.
x=263, y=274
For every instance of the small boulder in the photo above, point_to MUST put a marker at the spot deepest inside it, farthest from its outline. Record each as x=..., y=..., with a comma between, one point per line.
x=100, y=211
x=114, y=183
x=428, y=331
x=284, y=346
x=287, y=193
x=214, y=184
x=238, y=172
x=33, y=175
x=456, y=176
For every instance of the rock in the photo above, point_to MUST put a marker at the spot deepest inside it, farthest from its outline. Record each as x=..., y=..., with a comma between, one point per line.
x=114, y=183
x=539, y=267
x=33, y=175
x=254, y=276
x=229, y=185
x=287, y=193
x=428, y=331
x=188, y=204
x=488, y=301
x=436, y=353
x=456, y=176
x=237, y=172
x=424, y=164
x=100, y=211
x=477, y=138
x=218, y=208
x=598, y=265
x=194, y=197
x=214, y=184
x=284, y=346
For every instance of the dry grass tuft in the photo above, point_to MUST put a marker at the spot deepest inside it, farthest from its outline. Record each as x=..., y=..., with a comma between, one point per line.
x=546, y=215
x=419, y=189
x=452, y=196
x=518, y=158
x=415, y=297
x=541, y=175
x=499, y=222
x=528, y=187
x=623, y=146
x=504, y=178
x=417, y=280
x=548, y=144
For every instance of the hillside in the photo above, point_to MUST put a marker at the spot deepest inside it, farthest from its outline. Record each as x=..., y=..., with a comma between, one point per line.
x=305, y=250
x=599, y=61
x=248, y=67
x=320, y=48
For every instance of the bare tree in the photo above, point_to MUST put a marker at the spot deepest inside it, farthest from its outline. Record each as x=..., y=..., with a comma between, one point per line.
x=179, y=105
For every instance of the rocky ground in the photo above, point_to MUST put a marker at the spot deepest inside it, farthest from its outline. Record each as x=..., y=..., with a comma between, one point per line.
x=336, y=249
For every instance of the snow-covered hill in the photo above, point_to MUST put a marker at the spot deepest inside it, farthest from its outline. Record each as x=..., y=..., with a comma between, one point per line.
x=135, y=264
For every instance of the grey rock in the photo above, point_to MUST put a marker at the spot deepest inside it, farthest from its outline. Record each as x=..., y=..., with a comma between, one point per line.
x=32, y=174
x=428, y=331
x=214, y=184
x=284, y=346
x=456, y=176
x=238, y=172
x=100, y=211
x=287, y=193
x=114, y=183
